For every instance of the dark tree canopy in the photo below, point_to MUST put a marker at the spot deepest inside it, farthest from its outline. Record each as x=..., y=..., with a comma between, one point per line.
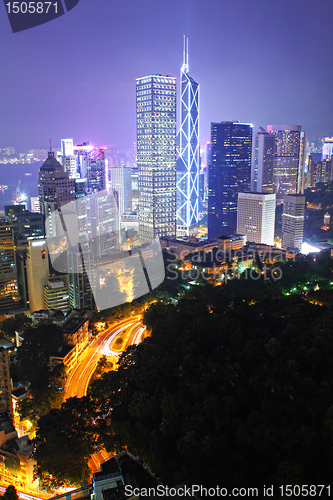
x=64, y=442
x=34, y=354
x=226, y=391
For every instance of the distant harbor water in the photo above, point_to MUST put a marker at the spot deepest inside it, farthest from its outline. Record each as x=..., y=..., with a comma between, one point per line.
x=10, y=175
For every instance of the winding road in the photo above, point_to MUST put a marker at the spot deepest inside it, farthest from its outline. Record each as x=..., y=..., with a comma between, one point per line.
x=104, y=344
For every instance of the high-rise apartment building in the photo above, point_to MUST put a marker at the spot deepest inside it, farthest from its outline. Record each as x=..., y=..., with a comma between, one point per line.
x=96, y=170
x=103, y=218
x=68, y=159
x=34, y=204
x=229, y=174
x=318, y=170
x=28, y=225
x=156, y=156
x=293, y=221
x=327, y=148
x=121, y=181
x=37, y=271
x=9, y=297
x=256, y=217
x=289, y=159
x=55, y=189
x=80, y=278
x=301, y=164
x=189, y=153
x=67, y=147
x=263, y=162
x=5, y=383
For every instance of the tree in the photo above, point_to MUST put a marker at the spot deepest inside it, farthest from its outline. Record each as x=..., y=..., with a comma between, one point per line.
x=33, y=355
x=252, y=391
x=65, y=440
x=10, y=325
x=10, y=493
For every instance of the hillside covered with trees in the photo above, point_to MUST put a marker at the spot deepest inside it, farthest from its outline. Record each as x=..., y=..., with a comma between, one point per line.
x=231, y=388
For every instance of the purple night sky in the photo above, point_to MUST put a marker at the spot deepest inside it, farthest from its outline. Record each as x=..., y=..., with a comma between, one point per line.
x=258, y=61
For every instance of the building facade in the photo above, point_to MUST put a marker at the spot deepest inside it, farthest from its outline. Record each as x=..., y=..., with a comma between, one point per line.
x=55, y=189
x=9, y=296
x=37, y=272
x=121, y=181
x=5, y=383
x=293, y=221
x=156, y=156
x=80, y=278
x=256, y=217
x=188, y=153
x=56, y=294
x=68, y=159
x=289, y=162
x=327, y=148
x=229, y=174
x=263, y=162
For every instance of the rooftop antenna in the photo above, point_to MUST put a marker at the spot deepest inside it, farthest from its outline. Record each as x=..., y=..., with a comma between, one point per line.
x=51, y=153
x=185, y=55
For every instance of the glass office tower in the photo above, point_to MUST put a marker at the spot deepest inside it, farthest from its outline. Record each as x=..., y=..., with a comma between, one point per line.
x=264, y=148
x=156, y=156
x=229, y=174
x=188, y=153
x=289, y=164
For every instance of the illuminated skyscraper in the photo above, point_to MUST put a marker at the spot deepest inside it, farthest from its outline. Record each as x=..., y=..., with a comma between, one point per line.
x=67, y=147
x=80, y=278
x=264, y=147
x=229, y=174
x=37, y=272
x=289, y=163
x=327, y=148
x=5, y=383
x=68, y=159
x=293, y=221
x=55, y=189
x=8, y=273
x=256, y=217
x=91, y=164
x=156, y=156
x=188, y=151
x=121, y=181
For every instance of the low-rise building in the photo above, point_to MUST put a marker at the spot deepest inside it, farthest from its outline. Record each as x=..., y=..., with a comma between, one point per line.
x=76, y=331
x=16, y=455
x=56, y=294
x=233, y=242
x=76, y=337
x=181, y=248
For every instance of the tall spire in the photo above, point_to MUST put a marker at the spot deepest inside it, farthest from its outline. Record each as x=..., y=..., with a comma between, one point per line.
x=50, y=153
x=185, y=55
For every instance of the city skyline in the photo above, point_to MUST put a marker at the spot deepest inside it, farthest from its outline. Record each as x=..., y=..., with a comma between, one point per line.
x=79, y=81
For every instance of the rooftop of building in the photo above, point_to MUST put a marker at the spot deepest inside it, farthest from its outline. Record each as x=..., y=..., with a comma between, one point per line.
x=54, y=283
x=6, y=344
x=109, y=467
x=53, y=313
x=64, y=350
x=19, y=445
x=232, y=237
x=18, y=392
x=6, y=424
x=189, y=243
x=74, y=322
x=51, y=163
